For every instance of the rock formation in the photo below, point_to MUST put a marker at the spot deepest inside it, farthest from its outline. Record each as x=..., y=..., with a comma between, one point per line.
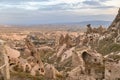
x=115, y=26
x=35, y=54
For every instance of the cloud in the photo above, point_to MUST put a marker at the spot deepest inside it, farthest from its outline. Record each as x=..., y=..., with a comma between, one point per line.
x=92, y=3
x=55, y=11
x=48, y=5
x=97, y=4
x=18, y=1
x=104, y=0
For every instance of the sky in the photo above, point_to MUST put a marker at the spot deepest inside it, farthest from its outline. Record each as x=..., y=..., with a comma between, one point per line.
x=56, y=11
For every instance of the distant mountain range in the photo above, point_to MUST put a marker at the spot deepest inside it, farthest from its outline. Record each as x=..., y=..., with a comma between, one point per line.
x=93, y=23
x=96, y=23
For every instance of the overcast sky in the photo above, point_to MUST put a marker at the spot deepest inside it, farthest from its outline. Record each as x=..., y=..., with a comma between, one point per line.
x=56, y=11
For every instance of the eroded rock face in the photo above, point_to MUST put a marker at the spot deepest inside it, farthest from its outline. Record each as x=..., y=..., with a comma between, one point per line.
x=12, y=52
x=114, y=29
x=85, y=63
x=77, y=60
x=112, y=71
x=61, y=40
x=65, y=40
x=68, y=53
x=37, y=69
x=112, y=65
x=92, y=57
x=51, y=72
x=116, y=23
x=1, y=59
x=76, y=73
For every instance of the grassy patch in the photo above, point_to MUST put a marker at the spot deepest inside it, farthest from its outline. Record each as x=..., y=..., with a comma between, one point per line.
x=106, y=47
x=26, y=76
